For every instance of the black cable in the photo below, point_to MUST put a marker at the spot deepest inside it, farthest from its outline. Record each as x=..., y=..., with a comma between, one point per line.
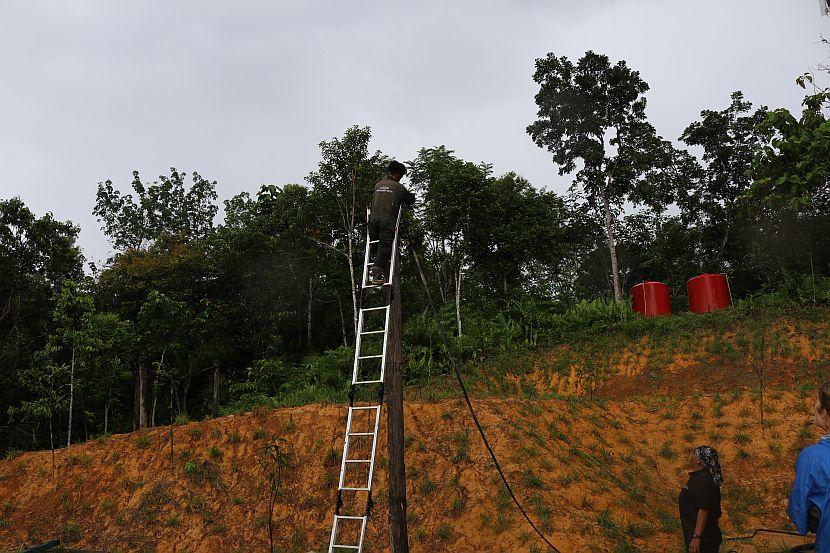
x=467, y=397
x=767, y=530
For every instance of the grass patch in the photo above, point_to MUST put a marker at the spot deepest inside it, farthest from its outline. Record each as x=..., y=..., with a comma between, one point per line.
x=444, y=531
x=427, y=486
x=79, y=461
x=532, y=480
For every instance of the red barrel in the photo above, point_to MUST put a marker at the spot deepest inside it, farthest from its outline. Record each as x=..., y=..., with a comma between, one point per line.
x=708, y=292
x=651, y=299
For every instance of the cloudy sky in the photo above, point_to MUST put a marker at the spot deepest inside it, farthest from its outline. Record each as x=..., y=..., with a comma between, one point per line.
x=243, y=91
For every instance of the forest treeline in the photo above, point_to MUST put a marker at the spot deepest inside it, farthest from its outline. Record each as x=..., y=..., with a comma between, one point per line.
x=193, y=315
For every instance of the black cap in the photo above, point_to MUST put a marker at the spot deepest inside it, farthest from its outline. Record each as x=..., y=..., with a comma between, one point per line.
x=396, y=168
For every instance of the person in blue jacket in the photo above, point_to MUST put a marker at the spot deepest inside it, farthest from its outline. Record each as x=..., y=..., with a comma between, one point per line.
x=810, y=497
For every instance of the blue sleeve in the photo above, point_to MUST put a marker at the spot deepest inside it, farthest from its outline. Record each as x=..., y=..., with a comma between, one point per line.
x=798, y=506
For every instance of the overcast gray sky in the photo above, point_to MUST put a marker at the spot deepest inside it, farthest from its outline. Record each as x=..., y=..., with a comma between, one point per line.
x=243, y=91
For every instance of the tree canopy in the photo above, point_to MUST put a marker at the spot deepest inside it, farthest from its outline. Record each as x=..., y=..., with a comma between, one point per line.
x=195, y=312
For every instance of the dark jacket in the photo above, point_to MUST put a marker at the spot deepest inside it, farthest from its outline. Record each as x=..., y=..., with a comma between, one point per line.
x=389, y=195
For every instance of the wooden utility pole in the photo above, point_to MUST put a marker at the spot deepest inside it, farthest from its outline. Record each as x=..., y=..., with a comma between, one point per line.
x=394, y=416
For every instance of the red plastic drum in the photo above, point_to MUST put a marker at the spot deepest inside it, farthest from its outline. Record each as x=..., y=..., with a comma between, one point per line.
x=651, y=299
x=708, y=292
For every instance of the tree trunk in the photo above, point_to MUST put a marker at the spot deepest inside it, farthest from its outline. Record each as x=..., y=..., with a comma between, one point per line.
x=182, y=402
x=395, y=425
x=153, y=410
x=458, y=300
x=214, y=411
x=71, y=397
x=723, y=247
x=342, y=321
x=142, y=394
x=354, y=284
x=310, y=301
x=609, y=229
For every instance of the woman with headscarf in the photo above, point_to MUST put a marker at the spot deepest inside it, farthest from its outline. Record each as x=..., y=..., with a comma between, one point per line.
x=810, y=496
x=699, y=502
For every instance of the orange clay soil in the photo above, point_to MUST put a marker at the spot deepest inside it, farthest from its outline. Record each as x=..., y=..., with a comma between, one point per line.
x=598, y=471
x=595, y=475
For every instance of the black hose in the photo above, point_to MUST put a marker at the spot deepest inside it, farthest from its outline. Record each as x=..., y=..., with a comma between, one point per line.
x=467, y=397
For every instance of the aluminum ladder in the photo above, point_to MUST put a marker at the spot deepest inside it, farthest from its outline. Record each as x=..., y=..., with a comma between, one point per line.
x=357, y=465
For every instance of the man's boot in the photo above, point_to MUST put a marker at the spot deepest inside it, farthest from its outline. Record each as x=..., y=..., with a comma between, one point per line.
x=378, y=278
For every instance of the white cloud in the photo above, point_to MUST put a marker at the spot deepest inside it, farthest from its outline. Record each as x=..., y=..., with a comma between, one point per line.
x=243, y=91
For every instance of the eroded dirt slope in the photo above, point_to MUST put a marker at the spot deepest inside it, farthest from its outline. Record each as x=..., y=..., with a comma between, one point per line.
x=595, y=448
x=597, y=475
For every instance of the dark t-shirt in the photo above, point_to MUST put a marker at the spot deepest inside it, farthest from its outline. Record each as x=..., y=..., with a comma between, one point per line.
x=700, y=492
x=389, y=195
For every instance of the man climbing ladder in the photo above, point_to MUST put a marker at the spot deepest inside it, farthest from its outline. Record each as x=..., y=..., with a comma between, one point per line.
x=377, y=346
x=389, y=195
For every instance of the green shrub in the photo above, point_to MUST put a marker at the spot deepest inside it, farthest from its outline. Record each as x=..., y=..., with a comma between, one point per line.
x=444, y=531
x=143, y=440
x=532, y=480
x=427, y=486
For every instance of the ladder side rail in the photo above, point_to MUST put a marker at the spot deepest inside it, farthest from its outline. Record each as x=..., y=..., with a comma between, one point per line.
x=333, y=535
x=374, y=447
x=345, y=449
x=364, y=280
x=362, y=534
x=357, y=342
x=385, y=341
x=392, y=264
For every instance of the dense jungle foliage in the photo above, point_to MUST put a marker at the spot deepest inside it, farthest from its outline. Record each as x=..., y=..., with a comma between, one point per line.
x=194, y=315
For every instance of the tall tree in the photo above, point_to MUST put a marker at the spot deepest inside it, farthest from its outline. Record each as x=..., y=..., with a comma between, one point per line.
x=592, y=113
x=515, y=229
x=36, y=255
x=790, y=198
x=729, y=139
x=73, y=340
x=344, y=181
x=163, y=209
x=452, y=189
x=164, y=324
x=110, y=361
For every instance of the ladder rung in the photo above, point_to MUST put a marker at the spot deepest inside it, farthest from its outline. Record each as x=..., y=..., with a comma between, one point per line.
x=378, y=285
x=361, y=433
x=374, y=332
x=367, y=381
x=355, y=489
x=337, y=545
x=358, y=460
x=365, y=408
x=370, y=356
x=365, y=309
x=374, y=241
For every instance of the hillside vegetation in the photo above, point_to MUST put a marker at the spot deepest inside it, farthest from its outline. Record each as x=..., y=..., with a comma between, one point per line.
x=593, y=435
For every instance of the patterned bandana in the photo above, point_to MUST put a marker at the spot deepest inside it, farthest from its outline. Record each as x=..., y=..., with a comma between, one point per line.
x=708, y=457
